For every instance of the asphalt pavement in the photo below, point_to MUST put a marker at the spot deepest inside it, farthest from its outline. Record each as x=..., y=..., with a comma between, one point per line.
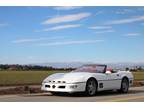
x=135, y=94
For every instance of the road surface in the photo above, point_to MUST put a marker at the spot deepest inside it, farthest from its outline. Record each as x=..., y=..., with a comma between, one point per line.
x=136, y=94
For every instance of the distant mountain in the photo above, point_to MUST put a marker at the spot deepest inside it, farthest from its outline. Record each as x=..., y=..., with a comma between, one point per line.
x=125, y=65
x=64, y=64
x=78, y=64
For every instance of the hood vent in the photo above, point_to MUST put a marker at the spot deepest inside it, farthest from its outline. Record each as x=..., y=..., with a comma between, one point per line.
x=56, y=81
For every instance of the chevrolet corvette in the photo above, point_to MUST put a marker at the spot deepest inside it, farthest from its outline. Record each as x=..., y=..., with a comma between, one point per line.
x=88, y=79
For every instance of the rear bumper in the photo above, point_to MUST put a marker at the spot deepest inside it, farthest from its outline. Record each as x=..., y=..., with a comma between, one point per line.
x=67, y=87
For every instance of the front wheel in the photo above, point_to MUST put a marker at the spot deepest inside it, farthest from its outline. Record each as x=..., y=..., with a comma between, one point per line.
x=124, y=86
x=91, y=87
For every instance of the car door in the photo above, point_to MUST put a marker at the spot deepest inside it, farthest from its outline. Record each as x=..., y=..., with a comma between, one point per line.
x=103, y=83
x=113, y=80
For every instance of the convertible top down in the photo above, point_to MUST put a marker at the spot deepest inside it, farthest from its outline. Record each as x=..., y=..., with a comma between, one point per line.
x=89, y=79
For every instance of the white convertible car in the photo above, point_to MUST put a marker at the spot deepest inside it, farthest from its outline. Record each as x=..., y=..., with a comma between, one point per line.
x=89, y=79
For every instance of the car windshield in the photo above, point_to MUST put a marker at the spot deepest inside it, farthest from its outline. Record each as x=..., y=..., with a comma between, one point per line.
x=89, y=68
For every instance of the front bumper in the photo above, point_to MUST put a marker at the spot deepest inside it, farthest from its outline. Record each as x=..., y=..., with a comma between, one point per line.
x=67, y=87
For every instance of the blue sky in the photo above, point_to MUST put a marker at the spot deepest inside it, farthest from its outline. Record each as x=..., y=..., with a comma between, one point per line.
x=69, y=34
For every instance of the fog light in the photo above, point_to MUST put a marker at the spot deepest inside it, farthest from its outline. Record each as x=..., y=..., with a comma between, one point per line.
x=73, y=86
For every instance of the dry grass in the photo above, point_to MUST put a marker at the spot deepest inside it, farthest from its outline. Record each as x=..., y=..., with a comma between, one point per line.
x=138, y=76
x=36, y=77
x=23, y=77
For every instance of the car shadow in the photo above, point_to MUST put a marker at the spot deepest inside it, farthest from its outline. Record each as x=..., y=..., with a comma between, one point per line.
x=99, y=94
x=102, y=93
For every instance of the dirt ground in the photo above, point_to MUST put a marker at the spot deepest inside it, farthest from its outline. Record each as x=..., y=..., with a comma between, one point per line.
x=28, y=89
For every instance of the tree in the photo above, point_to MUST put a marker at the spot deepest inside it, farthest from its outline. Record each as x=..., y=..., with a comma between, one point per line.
x=127, y=69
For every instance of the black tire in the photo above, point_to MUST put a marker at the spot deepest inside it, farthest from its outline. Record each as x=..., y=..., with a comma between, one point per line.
x=124, y=86
x=91, y=87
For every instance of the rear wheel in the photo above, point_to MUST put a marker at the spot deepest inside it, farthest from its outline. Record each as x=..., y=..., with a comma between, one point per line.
x=91, y=87
x=124, y=86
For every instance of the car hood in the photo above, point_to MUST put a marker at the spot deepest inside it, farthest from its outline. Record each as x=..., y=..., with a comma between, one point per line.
x=70, y=77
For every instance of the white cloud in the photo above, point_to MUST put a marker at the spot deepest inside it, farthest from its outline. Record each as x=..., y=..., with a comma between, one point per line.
x=140, y=8
x=125, y=11
x=66, y=7
x=100, y=12
x=100, y=27
x=104, y=31
x=70, y=42
x=122, y=11
x=132, y=34
x=29, y=40
x=67, y=18
x=3, y=24
x=127, y=20
x=62, y=27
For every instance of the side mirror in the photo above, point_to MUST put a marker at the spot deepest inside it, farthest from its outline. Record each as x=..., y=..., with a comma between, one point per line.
x=108, y=72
